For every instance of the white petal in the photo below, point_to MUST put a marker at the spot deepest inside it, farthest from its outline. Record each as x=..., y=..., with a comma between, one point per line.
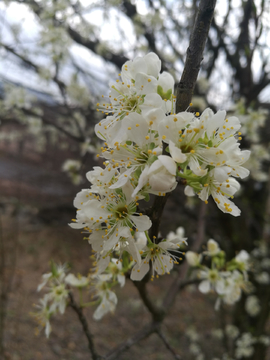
x=188, y=191
x=176, y=153
x=204, y=286
x=214, y=122
x=142, y=222
x=162, y=182
x=140, y=270
x=168, y=163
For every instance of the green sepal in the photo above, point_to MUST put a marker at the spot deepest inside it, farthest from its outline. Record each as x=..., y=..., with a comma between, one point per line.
x=196, y=186
x=126, y=261
x=165, y=95
x=53, y=268
x=146, y=196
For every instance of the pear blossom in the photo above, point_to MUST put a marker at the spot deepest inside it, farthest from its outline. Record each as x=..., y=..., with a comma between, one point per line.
x=115, y=268
x=56, y=276
x=252, y=305
x=212, y=279
x=43, y=314
x=161, y=259
x=80, y=281
x=193, y=258
x=108, y=299
x=136, y=93
x=58, y=296
x=233, y=286
x=159, y=178
x=179, y=234
x=147, y=148
x=212, y=248
x=221, y=192
x=243, y=260
x=110, y=218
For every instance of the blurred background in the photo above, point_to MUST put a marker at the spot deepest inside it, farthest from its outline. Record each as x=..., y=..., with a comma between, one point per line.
x=57, y=60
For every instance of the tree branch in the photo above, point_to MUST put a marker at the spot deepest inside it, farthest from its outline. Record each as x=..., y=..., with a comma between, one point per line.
x=85, y=327
x=156, y=313
x=194, y=54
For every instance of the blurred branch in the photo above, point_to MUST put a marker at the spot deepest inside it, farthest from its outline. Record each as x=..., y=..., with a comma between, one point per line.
x=140, y=335
x=53, y=124
x=168, y=346
x=3, y=295
x=266, y=228
x=131, y=11
x=116, y=59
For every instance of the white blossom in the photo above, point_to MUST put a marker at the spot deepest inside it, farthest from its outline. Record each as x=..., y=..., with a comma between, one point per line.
x=252, y=305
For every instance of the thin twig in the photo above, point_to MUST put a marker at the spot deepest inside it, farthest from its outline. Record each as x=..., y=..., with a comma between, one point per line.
x=168, y=346
x=85, y=327
x=140, y=335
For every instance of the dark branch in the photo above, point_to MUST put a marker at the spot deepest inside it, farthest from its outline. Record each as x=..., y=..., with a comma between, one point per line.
x=156, y=313
x=116, y=59
x=194, y=54
x=85, y=327
x=168, y=346
x=140, y=335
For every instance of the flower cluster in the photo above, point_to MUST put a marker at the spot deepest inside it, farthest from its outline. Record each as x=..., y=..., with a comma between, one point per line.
x=147, y=149
x=57, y=284
x=55, y=300
x=261, y=263
x=239, y=345
x=253, y=122
x=227, y=279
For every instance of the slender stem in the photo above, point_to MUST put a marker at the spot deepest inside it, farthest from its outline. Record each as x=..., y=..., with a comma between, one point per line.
x=85, y=327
